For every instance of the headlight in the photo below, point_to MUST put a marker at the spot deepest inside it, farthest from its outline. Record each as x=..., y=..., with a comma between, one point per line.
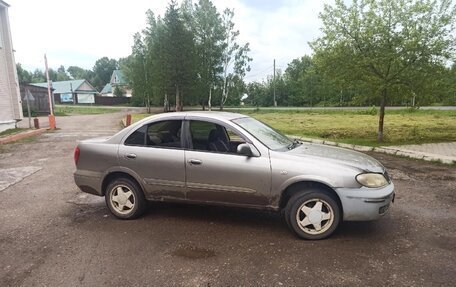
x=371, y=179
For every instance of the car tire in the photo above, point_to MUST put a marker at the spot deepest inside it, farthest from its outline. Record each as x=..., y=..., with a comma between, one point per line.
x=312, y=214
x=125, y=199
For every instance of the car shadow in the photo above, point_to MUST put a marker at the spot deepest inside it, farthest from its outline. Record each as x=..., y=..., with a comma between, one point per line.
x=251, y=218
x=216, y=215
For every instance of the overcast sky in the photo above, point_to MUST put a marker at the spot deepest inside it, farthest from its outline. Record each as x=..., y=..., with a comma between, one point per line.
x=80, y=32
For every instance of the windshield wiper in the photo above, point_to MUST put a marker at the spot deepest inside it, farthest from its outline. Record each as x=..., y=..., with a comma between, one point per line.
x=295, y=143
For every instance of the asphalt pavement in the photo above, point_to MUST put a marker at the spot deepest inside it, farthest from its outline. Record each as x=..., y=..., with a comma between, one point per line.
x=52, y=234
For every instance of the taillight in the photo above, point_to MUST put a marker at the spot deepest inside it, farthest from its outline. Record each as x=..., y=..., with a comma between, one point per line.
x=76, y=154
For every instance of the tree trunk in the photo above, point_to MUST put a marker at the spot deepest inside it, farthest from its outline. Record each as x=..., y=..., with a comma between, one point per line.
x=381, y=115
x=209, y=104
x=222, y=102
x=178, y=108
x=166, y=104
x=148, y=104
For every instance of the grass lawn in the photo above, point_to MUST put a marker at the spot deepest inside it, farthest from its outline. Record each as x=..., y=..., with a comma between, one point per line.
x=360, y=126
x=11, y=132
x=82, y=110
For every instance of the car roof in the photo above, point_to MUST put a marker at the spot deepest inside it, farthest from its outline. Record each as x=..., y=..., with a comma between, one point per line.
x=215, y=115
x=227, y=116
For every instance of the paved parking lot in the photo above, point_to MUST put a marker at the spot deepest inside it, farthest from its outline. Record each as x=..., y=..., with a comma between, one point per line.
x=51, y=234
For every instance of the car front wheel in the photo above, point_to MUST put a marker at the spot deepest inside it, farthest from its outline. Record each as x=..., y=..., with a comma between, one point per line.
x=125, y=199
x=313, y=214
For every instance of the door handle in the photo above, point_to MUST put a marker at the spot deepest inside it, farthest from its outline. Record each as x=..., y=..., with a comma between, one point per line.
x=195, y=161
x=131, y=155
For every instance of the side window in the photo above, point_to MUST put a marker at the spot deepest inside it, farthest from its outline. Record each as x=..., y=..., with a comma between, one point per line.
x=160, y=134
x=207, y=136
x=137, y=138
x=164, y=134
x=234, y=137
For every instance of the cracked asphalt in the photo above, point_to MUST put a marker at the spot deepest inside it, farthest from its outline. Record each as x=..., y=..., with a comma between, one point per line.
x=51, y=234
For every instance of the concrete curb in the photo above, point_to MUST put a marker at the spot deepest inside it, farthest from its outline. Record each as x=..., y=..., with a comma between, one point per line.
x=387, y=150
x=21, y=135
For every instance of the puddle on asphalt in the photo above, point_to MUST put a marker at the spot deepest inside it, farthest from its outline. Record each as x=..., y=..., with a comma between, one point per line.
x=192, y=252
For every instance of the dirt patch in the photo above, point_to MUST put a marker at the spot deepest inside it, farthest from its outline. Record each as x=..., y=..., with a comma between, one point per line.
x=192, y=252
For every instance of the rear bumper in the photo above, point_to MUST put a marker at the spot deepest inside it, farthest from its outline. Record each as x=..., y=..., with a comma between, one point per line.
x=363, y=204
x=89, y=184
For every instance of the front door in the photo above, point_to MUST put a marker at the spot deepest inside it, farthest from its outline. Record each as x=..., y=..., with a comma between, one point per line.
x=216, y=173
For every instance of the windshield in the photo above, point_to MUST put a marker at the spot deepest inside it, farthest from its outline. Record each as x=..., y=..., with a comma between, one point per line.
x=264, y=133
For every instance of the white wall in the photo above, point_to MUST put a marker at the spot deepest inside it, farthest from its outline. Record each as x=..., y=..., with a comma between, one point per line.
x=10, y=100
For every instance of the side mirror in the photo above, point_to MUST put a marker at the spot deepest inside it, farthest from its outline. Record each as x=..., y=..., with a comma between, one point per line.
x=244, y=149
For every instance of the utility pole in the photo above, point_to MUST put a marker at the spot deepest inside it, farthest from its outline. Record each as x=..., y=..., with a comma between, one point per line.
x=72, y=94
x=51, y=106
x=274, y=86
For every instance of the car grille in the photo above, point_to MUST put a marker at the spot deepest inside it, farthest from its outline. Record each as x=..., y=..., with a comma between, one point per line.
x=382, y=210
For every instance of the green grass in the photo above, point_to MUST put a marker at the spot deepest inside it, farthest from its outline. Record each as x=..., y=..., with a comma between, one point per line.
x=82, y=110
x=11, y=132
x=360, y=126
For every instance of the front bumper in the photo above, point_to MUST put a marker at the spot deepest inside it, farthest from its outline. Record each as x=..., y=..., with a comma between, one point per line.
x=363, y=204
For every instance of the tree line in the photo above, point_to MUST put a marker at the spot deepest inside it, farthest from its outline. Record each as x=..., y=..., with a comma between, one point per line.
x=371, y=53
x=303, y=83
x=190, y=56
x=98, y=76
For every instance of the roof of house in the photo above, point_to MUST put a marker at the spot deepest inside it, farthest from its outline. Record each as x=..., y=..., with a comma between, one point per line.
x=62, y=87
x=107, y=89
x=121, y=79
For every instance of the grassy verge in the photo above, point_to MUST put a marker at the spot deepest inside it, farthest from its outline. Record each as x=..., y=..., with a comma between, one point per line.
x=360, y=126
x=82, y=110
x=11, y=132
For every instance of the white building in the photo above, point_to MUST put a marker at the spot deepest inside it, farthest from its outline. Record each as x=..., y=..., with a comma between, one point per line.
x=10, y=98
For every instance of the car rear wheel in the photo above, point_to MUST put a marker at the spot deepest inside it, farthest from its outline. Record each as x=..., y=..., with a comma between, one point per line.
x=313, y=214
x=125, y=199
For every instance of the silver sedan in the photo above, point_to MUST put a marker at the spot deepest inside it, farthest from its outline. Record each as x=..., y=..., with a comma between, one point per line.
x=230, y=159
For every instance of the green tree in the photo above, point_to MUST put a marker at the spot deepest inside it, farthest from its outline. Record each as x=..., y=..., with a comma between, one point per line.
x=79, y=73
x=24, y=76
x=102, y=70
x=235, y=59
x=119, y=92
x=178, y=56
x=209, y=35
x=61, y=74
x=38, y=76
x=383, y=45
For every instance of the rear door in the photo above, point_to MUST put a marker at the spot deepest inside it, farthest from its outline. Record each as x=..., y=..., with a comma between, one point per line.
x=154, y=152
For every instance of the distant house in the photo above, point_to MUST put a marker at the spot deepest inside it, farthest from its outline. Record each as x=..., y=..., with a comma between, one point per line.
x=10, y=100
x=37, y=97
x=72, y=92
x=119, y=81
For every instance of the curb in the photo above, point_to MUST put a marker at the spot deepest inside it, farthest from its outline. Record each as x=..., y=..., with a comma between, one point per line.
x=21, y=135
x=386, y=150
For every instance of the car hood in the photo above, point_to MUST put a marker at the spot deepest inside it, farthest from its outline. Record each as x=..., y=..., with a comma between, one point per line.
x=338, y=155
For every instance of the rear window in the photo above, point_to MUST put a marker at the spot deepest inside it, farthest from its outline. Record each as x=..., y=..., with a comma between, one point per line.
x=158, y=134
x=137, y=138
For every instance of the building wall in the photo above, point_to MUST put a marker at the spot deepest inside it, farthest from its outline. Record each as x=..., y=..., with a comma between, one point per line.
x=38, y=101
x=85, y=87
x=10, y=101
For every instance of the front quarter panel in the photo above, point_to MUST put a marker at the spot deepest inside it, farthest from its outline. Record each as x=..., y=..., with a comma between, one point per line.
x=287, y=170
